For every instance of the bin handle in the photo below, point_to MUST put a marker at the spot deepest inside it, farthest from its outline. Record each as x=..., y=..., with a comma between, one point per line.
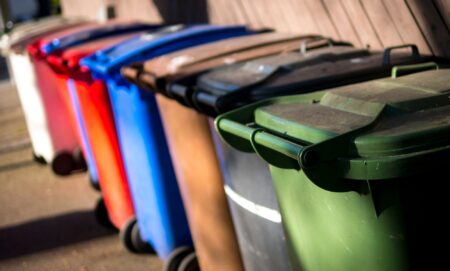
x=304, y=45
x=387, y=52
x=260, y=137
x=422, y=66
x=271, y=148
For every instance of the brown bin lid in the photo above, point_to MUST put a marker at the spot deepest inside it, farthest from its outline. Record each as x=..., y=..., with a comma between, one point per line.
x=158, y=71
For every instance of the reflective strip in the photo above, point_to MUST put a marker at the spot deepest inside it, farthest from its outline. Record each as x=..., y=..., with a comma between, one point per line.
x=261, y=211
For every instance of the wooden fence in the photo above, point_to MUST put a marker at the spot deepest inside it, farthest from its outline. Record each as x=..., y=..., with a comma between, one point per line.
x=365, y=23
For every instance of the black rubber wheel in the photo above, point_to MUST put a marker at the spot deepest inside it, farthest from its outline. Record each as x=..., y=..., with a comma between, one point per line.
x=176, y=257
x=39, y=159
x=78, y=160
x=189, y=263
x=94, y=184
x=101, y=214
x=63, y=164
x=140, y=245
x=125, y=235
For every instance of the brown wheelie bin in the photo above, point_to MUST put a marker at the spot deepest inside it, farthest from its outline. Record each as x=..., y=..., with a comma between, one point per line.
x=190, y=140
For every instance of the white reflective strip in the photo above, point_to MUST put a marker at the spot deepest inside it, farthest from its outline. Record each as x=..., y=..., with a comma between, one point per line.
x=264, y=212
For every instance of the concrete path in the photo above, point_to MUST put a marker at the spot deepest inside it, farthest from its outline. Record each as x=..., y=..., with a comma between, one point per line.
x=47, y=222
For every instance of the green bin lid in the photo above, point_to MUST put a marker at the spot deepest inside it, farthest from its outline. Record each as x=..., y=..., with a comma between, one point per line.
x=379, y=129
x=414, y=120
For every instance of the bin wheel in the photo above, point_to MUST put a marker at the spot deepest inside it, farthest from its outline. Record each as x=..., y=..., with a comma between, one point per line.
x=189, y=263
x=125, y=234
x=78, y=159
x=63, y=163
x=101, y=214
x=176, y=257
x=39, y=159
x=140, y=244
x=94, y=184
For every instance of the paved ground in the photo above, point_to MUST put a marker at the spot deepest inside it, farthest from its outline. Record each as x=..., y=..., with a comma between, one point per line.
x=47, y=222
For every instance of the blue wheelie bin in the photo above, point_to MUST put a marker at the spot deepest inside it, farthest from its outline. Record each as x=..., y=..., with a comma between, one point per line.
x=156, y=196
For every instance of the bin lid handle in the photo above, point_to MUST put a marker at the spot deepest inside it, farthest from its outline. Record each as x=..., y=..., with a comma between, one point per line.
x=413, y=67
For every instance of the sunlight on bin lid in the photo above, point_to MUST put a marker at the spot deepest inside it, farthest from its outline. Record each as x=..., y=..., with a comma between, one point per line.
x=412, y=110
x=200, y=58
x=149, y=45
x=96, y=32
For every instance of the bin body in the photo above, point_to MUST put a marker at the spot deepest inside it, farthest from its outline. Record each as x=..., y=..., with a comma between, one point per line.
x=349, y=165
x=23, y=74
x=98, y=119
x=159, y=209
x=254, y=208
x=59, y=121
x=198, y=173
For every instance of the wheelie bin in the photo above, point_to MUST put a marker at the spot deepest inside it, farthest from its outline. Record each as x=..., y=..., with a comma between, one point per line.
x=159, y=211
x=63, y=57
x=256, y=213
x=186, y=65
x=22, y=73
x=356, y=170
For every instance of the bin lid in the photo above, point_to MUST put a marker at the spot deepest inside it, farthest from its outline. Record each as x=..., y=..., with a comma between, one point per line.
x=380, y=129
x=158, y=43
x=384, y=120
x=26, y=33
x=225, y=88
x=67, y=61
x=99, y=31
x=34, y=48
x=194, y=60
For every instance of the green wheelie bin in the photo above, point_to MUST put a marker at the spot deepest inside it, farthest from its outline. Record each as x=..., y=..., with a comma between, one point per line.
x=359, y=171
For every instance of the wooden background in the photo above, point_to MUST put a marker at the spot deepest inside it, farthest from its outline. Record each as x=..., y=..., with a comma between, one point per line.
x=365, y=23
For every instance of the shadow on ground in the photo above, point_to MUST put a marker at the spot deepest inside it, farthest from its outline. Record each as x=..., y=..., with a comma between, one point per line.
x=48, y=233
x=3, y=69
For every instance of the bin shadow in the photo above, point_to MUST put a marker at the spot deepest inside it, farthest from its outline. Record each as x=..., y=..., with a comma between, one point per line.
x=17, y=165
x=49, y=233
x=183, y=11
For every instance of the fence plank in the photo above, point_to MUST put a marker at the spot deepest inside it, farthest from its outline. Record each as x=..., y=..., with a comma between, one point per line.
x=406, y=25
x=322, y=18
x=342, y=22
x=361, y=23
x=443, y=7
x=382, y=23
x=432, y=26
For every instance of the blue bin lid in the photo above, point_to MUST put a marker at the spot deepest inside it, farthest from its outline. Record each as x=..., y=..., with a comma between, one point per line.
x=102, y=31
x=157, y=43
